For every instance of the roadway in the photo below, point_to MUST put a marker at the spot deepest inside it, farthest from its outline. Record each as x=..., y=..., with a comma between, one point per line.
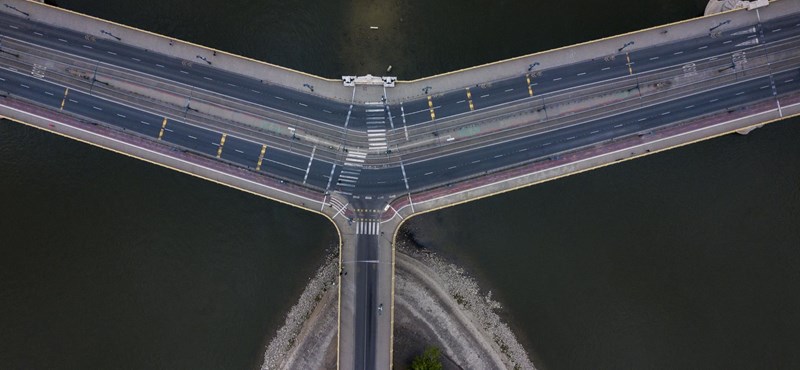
x=352, y=174
x=484, y=94
x=390, y=180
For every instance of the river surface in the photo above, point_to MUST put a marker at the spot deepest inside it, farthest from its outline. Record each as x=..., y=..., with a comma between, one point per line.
x=684, y=259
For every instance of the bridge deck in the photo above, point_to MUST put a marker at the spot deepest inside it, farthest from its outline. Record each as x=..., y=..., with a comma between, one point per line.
x=369, y=163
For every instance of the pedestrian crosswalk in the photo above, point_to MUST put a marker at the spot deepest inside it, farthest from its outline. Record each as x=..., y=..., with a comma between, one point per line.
x=348, y=176
x=355, y=158
x=376, y=126
x=368, y=227
x=377, y=139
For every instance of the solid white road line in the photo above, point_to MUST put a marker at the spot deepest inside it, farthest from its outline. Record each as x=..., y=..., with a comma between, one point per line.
x=311, y=159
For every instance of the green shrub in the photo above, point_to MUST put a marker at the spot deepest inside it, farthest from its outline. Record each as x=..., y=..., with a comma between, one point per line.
x=429, y=360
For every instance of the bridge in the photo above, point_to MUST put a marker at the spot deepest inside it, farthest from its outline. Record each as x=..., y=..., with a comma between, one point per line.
x=370, y=152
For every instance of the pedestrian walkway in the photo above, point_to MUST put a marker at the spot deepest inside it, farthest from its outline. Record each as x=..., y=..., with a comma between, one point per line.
x=368, y=227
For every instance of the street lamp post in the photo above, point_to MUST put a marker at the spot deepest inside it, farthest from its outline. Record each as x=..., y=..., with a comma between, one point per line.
x=530, y=66
x=625, y=46
x=20, y=11
x=204, y=59
x=719, y=25
x=110, y=34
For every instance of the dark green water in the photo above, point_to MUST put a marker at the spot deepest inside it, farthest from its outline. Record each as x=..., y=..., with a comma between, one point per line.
x=686, y=259
x=682, y=260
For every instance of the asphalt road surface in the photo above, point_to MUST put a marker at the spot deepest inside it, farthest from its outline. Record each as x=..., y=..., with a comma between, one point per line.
x=348, y=175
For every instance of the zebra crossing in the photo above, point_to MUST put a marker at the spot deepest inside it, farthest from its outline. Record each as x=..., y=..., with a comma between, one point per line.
x=348, y=177
x=353, y=163
x=38, y=71
x=355, y=158
x=376, y=126
x=377, y=139
x=368, y=227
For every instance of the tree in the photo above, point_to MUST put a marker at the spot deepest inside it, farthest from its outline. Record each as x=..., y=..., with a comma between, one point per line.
x=429, y=360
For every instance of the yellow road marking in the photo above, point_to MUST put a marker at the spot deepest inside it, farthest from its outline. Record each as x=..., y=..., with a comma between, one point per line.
x=628, y=56
x=65, y=98
x=430, y=106
x=469, y=98
x=530, y=88
x=221, y=143
x=261, y=157
x=163, y=125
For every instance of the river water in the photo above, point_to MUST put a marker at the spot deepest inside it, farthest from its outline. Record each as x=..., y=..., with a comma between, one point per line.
x=685, y=259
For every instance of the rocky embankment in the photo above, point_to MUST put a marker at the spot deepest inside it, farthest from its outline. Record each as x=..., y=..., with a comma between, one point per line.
x=436, y=304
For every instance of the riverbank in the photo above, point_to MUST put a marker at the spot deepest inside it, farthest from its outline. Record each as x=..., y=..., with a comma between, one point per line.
x=436, y=304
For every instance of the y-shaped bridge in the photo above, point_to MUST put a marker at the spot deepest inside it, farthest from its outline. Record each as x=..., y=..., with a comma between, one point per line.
x=368, y=156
